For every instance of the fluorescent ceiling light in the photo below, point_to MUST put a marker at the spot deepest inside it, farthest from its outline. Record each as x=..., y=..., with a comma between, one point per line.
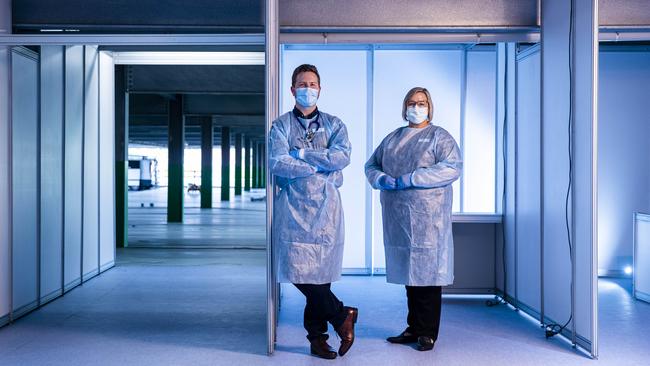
x=188, y=58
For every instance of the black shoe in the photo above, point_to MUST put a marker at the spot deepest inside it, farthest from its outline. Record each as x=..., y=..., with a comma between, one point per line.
x=404, y=338
x=320, y=348
x=346, y=330
x=425, y=343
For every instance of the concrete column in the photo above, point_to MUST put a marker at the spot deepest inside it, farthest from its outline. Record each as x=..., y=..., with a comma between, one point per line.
x=176, y=142
x=225, y=163
x=254, y=163
x=5, y=188
x=247, y=164
x=121, y=156
x=263, y=165
x=238, y=164
x=207, y=142
x=569, y=123
x=258, y=165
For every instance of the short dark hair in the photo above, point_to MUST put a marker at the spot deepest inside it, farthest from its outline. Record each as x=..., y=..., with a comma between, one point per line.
x=304, y=68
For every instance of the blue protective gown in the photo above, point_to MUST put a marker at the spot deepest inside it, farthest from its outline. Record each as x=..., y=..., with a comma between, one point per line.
x=308, y=227
x=417, y=221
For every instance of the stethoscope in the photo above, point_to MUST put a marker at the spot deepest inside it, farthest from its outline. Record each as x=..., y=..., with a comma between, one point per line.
x=312, y=128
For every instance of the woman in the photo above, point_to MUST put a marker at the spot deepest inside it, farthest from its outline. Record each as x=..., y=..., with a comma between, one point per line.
x=414, y=167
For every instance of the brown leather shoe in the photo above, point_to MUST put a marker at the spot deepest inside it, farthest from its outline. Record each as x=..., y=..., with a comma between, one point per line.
x=346, y=330
x=320, y=348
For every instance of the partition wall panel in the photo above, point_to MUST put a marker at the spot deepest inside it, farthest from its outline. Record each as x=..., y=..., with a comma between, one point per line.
x=556, y=104
x=51, y=155
x=73, y=163
x=528, y=163
x=506, y=264
x=585, y=173
x=343, y=94
x=5, y=212
x=479, y=132
x=24, y=153
x=569, y=155
x=437, y=70
x=90, y=248
x=106, y=161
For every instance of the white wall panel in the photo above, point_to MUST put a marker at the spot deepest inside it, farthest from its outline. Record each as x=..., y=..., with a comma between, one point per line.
x=479, y=162
x=91, y=164
x=437, y=70
x=557, y=262
x=506, y=273
x=570, y=92
x=623, y=120
x=528, y=182
x=585, y=187
x=24, y=180
x=5, y=145
x=74, y=86
x=343, y=94
x=52, y=83
x=106, y=161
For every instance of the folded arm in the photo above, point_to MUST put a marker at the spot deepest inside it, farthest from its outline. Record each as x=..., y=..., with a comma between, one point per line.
x=335, y=157
x=446, y=171
x=281, y=163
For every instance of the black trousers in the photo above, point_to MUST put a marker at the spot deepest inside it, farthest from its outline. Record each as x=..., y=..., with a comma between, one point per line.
x=322, y=307
x=424, y=303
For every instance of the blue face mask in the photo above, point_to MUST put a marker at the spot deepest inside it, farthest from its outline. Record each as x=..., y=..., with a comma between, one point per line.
x=417, y=115
x=306, y=97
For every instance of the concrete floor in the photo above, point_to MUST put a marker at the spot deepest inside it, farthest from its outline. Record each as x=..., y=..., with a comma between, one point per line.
x=184, y=306
x=207, y=307
x=156, y=307
x=238, y=223
x=471, y=333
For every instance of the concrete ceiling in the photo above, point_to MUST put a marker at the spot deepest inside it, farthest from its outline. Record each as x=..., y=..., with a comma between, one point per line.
x=231, y=96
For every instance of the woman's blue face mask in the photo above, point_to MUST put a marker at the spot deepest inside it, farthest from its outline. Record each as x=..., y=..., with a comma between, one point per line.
x=417, y=115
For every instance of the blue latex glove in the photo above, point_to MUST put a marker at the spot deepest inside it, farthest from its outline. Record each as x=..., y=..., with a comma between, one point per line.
x=387, y=183
x=295, y=153
x=404, y=181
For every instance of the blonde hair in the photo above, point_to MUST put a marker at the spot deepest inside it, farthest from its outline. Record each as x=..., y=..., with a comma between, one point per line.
x=412, y=92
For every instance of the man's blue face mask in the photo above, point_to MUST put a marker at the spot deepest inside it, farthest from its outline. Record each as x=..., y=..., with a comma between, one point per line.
x=306, y=97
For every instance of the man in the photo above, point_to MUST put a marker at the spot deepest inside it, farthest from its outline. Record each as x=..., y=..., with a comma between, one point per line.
x=308, y=149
